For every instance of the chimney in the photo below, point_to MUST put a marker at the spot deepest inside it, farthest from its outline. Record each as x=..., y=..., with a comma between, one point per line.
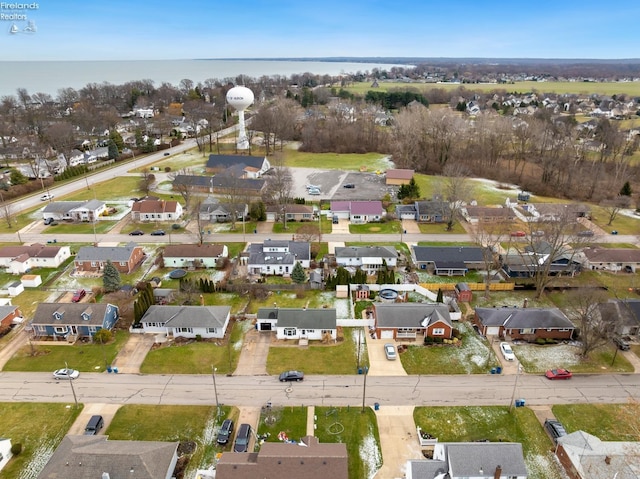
x=498, y=472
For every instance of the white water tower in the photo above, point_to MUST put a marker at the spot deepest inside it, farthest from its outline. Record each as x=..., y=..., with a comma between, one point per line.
x=240, y=98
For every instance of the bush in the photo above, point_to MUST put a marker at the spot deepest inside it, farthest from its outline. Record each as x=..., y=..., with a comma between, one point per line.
x=16, y=448
x=167, y=169
x=198, y=337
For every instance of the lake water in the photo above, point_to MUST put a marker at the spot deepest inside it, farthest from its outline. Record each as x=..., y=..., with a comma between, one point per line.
x=49, y=77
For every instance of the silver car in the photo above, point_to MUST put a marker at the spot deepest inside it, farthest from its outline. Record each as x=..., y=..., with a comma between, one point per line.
x=390, y=351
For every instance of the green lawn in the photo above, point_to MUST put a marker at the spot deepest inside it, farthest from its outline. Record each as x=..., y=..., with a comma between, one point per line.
x=338, y=161
x=173, y=423
x=292, y=420
x=197, y=357
x=339, y=358
x=495, y=423
x=84, y=228
x=358, y=430
x=440, y=228
x=609, y=422
x=39, y=427
x=87, y=357
x=389, y=227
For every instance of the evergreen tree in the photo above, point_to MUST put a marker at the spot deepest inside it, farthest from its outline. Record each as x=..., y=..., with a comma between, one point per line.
x=626, y=189
x=440, y=297
x=298, y=274
x=110, y=277
x=113, y=150
x=116, y=137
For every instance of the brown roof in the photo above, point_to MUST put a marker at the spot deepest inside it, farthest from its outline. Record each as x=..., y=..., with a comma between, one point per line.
x=308, y=460
x=35, y=250
x=400, y=174
x=612, y=255
x=193, y=250
x=155, y=206
x=477, y=211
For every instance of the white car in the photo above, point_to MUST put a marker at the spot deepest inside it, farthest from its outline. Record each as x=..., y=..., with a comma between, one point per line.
x=507, y=352
x=66, y=374
x=314, y=191
x=313, y=187
x=390, y=351
x=46, y=197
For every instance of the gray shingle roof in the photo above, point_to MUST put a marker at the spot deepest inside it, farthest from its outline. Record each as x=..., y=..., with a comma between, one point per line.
x=188, y=316
x=71, y=313
x=366, y=251
x=466, y=459
x=81, y=457
x=116, y=254
x=301, y=318
x=410, y=315
x=62, y=206
x=298, y=251
x=522, y=318
x=445, y=254
x=225, y=161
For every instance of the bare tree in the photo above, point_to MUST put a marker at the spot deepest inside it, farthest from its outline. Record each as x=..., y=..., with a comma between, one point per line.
x=146, y=181
x=279, y=187
x=488, y=235
x=613, y=206
x=185, y=188
x=594, y=329
x=457, y=190
x=6, y=211
x=309, y=233
x=200, y=222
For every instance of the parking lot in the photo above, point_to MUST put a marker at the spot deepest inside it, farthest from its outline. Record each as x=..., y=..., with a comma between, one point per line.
x=366, y=185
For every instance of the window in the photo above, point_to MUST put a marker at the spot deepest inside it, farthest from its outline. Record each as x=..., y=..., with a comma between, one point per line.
x=93, y=264
x=212, y=330
x=326, y=331
x=183, y=330
x=60, y=329
x=93, y=329
x=289, y=331
x=123, y=263
x=527, y=331
x=438, y=331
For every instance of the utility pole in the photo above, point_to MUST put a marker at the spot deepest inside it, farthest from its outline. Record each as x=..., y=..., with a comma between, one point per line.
x=215, y=389
x=364, y=387
x=75, y=398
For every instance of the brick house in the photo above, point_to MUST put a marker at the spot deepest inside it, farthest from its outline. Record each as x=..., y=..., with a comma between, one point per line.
x=411, y=321
x=125, y=258
x=528, y=324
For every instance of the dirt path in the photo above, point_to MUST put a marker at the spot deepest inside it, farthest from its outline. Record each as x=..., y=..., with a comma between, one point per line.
x=19, y=339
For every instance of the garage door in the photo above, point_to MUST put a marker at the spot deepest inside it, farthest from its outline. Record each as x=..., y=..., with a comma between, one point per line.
x=493, y=331
x=386, y=334
x=265, y=326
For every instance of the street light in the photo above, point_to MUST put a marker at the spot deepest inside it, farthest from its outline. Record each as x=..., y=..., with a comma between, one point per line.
x=215, y=389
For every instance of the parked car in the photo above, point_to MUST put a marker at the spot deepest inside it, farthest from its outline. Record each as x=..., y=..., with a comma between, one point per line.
x=390, y=351
x=46, y=197
x=78, y=295
x=241, y=443
x=537, y=233
x=136, y=233
x=586, y=233
x=65, y=373
x=158, y=233
x=48, y=221
x=94, y=425
x=313, y=191
x=621, y=343
x=226, y=431
x=507, y=352
x=518, y=234
x=614, y=232
x=166, y=153
x=555, y=428
x=348, y=185
x=291, y=376
x=558, y=373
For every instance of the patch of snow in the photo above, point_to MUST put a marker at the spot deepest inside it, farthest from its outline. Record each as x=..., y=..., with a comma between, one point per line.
x=370, y=454
x=39, y=459
x=541, y=358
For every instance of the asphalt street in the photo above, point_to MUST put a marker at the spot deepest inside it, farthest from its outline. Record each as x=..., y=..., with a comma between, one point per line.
x=253, y=391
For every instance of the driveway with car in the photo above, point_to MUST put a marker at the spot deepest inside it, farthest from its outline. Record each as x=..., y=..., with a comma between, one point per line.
x=379, y=365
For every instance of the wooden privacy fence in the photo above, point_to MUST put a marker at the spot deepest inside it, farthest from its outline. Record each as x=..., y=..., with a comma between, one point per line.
x=472, y=286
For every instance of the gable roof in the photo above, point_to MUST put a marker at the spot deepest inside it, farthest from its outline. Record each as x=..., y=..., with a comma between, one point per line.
x=225, y=161
x=62, y=206
x=624, y=312
x=71, y=313
x=116, y=254
x=410, y=315
x=366, y=207
x=399, y=174
x=466, y=459
x=155, y=206
x=445, y=254
x=519, y=318
x=320, y=318
x=188, y=316
x=432, y=208
x=612, y=255
x=298, y=251
x=366, y=252
x=220, y=181
x=79, y=457
x=35, y=250
x=193, y=250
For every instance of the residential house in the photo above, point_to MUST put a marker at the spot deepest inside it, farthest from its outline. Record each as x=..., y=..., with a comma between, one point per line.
x=540, y=256
x=74, y=210
x=80, y=457
x=527, y=324
x=307, y=459
x=93, y=258
x=220, y=184
x=278, y=257
x=448, y=260
x=398, y=177
x=21, y=259
x=194, y=255
x=412, y=321
x=367, y=258
x=293, y=212
x=213, y=210
x=251, y=166
x=432, y=211
x=625, y=315
x=298, y=323
x=88, y=211
x=358, y=212
x=8, y=314
x=488, y=214
x=612, y=259
x=73, y=320
x=554, y=211
x=464, y=460
x=187, y=321
x=154, y=209
x=585, y=456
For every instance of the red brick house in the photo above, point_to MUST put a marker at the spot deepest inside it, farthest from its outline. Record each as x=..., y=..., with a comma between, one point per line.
x=527, y=324
x=125, y=258
x=412, y=321
x=7, y=314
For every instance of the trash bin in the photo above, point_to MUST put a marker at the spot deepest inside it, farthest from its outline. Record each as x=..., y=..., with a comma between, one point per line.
x=519, y=402
x=109, y=369
x=493, y=370
x=115, y=370
x=499, y=370
x=255, y=231
x=376, y=406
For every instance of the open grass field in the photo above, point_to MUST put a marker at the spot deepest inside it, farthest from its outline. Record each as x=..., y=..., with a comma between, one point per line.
x=292, y=420
x=39, y=427
x=579, y=88
x=348, y=161
x=493, y=423
x=389, y=227
x=609, y=422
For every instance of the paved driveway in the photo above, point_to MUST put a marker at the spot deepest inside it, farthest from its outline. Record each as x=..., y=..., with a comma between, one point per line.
x=253, y=357
x=398, y=440
x=379, y=365
x=131, y=356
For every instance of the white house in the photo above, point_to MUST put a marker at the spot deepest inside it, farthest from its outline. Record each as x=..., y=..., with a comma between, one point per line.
x=89, y=210
x=298, y=323
x=187, y=321
x=154, y=209
x=5, y=452
x=20, y=259
x=278, y=257
x=193, y=255
x=367, y=258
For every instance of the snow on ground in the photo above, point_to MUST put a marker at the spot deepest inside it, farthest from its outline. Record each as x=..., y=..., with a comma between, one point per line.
x=496, y=185
x=39, y=459
x=544, y=357
x=475, y=348
x=246, y=326
x=370, y=454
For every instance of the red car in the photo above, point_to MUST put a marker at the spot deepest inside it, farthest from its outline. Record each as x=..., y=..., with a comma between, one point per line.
x=78, y=295
x=518, y=234
x=558, y=374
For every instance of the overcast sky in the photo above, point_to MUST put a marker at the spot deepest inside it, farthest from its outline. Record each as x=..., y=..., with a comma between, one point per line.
x=160, y=29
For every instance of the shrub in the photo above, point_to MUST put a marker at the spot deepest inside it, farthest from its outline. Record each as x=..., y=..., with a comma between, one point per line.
x=198, y=337
x=16, y=448
x=167, y=169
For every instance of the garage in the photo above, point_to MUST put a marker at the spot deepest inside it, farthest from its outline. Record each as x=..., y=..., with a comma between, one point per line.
x=493, y=331
x=386, y=334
